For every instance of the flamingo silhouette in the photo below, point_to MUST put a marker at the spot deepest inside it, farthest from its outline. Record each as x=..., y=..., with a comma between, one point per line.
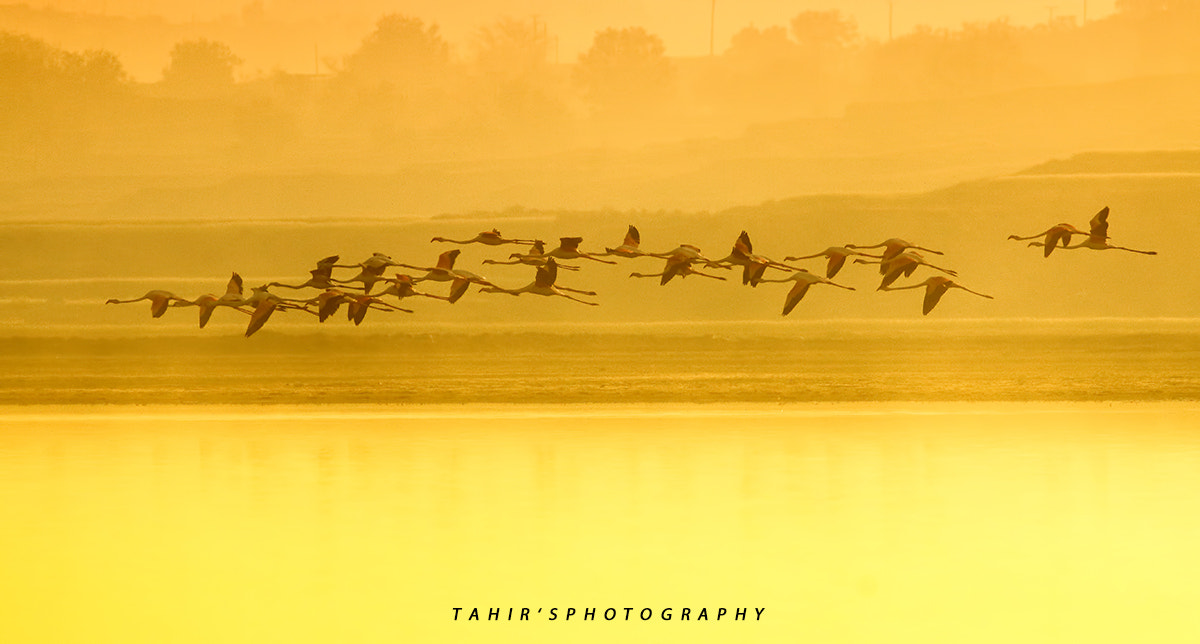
x=935, y=288
x=209, y=302
x=804, y=280
x=631, y=246
x=159, y=301
x=330, y=300
x=753, y=266
x=371, y=271
x=543, y=284
x=357, y=306
x=1053, y=237
x=321, y=276
x=1097, y=237
x=679, y=262
x=327, y=302
x=535, y=257
x=903, y=264
x=488, y=237
x=568, y=248
x=893, y=247
x=459, y=280
x=837, y=258
x=265, y=304
x=442, y=272
x=402, y=286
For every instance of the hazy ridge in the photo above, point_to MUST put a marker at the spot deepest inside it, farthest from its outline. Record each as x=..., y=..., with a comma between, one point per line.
x=876, y=148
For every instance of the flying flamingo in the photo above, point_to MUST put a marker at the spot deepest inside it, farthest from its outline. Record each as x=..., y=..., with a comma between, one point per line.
x=371, y=271
x=903, y=264
x=535, y=257
x=803, y=280
x=376, y=259
x=402, y=286
x=358, y=305
x=893, y=247
x=321, y=276
x=328, y=302
x=442, y=272
x=631, y=246
x=837, y=258
x=679, y=262
x=568, y=248
x=209, y=302
x=753, y=266
x=543, y=284
x=935, y=288
x=159, y=301
x=265, y=303
x=1053, y=237
x=1097, y=238
x=488, y=237
x=459, y=280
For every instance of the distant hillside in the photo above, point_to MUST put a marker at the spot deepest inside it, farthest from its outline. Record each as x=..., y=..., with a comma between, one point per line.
x=1174, y=161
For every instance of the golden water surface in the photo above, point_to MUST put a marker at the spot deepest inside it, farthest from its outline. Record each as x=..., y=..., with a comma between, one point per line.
x=847, y=523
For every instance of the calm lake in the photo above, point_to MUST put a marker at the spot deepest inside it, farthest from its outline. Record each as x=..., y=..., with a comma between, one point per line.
x=856, y=481
x=847, y=522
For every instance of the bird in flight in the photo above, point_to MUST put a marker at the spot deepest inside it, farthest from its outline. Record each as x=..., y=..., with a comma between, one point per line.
x=903, y=264
x=631, y=247
x=459, y=280
x=159, y=301
x=544, y=284
x=488, y=237
x=266, y=303
x=535, y=257
x=371, y=271
x=1097, y=237
x=358, y=304
x=893, y=247
x=568, y=248
x=837, y=258
x=1052, y=238
x=753, y=266
x=804, y=280
x=208, y=302
x=321, y=275
x=679, y=262
x=935, y=288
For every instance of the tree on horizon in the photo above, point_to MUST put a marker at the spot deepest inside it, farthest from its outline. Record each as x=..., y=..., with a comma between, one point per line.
x=201, y=66
x=625, y=69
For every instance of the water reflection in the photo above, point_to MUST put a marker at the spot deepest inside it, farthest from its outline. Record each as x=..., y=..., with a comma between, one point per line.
x=848, y=523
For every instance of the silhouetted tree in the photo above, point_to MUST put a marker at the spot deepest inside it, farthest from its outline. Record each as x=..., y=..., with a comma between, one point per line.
x=514, y=96
x=511, y=48
x=825, y=38
x=28, y=64
x=53, y=100
x=758, y=75
x=624, y=69
x=100, y=69
x=200, y=67
x=979, y=58
x=824, y=29
x=755, y=48
x=400, y=50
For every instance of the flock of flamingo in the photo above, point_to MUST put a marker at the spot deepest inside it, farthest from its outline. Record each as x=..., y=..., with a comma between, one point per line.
x=897, y=258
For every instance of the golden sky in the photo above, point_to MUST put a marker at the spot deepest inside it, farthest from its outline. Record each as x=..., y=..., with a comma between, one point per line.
x=683, y=24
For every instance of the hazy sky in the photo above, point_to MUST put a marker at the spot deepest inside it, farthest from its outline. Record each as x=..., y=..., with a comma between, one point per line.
x=683, y=24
